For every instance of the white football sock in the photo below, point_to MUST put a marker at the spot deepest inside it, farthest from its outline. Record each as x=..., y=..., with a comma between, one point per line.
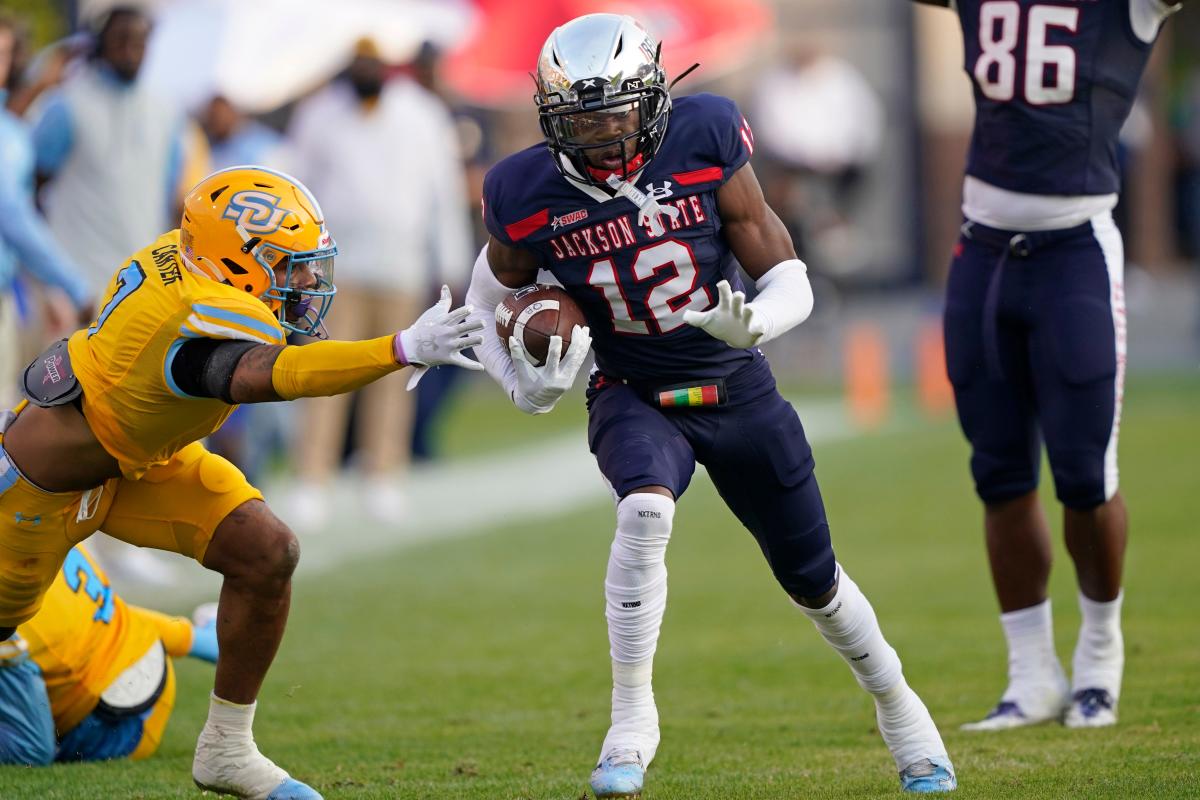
x=635, y=589
x=849, y=624
x=1100, y=652
x=228, y=758
x=1035, y=676
x=634, y=715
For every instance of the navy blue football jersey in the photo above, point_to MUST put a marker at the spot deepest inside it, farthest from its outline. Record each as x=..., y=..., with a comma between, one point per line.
x=1054, y=82
x=632, y=285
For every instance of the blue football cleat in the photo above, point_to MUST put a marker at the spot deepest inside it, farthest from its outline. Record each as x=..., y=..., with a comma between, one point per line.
x=619, y=774
x=925, y=777
x=292, y=789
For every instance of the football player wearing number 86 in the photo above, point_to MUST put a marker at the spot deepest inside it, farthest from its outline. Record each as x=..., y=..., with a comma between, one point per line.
x=639, y=204
x=191, y=326
x=1035, y=327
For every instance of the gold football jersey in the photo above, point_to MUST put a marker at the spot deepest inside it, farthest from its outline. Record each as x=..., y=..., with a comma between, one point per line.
x=123, y=360
x=85, y=636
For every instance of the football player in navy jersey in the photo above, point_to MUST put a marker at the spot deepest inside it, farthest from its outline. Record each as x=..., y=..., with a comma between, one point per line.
x=639, y=205
x=1035, y=326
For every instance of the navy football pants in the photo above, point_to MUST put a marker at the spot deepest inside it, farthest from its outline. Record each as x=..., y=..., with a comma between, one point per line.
x=756, y=454
x=1035, y=349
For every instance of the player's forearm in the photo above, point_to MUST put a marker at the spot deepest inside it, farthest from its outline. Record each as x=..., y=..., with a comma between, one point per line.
x=758, y=238
x=328, y=368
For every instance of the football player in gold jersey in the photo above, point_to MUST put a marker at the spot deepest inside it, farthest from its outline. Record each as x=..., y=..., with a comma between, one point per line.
x=90, y=677
x=192, y=325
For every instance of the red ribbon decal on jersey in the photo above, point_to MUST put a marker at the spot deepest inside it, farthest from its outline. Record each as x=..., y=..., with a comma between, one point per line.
x=519, y=230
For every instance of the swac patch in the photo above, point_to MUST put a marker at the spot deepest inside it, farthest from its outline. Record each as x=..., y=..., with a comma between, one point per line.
x=567, y=219
x=255, y=211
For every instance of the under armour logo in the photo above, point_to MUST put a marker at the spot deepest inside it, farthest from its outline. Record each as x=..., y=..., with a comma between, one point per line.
x=659, y=192
x=649, y=210
x=590, y=83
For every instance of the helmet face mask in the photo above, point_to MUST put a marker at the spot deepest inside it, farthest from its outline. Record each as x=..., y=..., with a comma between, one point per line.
x=262, y=232
x=303, y=287
x=602, y=98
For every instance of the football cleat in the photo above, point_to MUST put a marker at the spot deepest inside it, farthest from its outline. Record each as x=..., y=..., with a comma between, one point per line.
x=239, y=770
x=1032, y=708
x=620, y=773
x=1091, y=708
x=927, y=776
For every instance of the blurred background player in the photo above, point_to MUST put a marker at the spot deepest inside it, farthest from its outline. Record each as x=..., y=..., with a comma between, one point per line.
x=25, y=239
x=192, y=325
x=639, y=206
x=90, y=677
x=391, y=180
x=1035, y=327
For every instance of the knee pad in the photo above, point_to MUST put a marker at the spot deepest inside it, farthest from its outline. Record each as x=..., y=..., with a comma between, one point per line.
x=643, y=530
x=635, y=587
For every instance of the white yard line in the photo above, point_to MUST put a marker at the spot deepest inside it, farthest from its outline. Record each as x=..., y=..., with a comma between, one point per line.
x=458, y=499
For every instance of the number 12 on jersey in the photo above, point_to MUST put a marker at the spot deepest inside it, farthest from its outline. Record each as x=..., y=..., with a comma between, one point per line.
x=1049, y=68
x=664, y=301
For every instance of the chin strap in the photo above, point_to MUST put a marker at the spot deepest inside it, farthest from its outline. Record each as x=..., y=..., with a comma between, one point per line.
x=649, y=210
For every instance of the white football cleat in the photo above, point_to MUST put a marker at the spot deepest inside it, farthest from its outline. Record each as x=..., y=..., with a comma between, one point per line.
x=1026, y=706
x=1091, y=708
x=233, y=766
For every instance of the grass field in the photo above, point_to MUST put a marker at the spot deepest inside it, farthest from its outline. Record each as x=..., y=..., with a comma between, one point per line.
x=478, y=668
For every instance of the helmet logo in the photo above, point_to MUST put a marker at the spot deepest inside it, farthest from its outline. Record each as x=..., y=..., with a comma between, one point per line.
x=255, y=212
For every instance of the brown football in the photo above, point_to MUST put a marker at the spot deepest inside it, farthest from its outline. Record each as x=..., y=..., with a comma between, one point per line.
x=534, y=313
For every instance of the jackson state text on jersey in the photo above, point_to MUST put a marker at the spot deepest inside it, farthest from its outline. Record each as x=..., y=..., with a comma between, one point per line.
x=1053, y=81
x=634, y=286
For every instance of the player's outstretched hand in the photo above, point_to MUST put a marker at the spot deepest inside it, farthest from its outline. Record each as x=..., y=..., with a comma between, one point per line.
x=438, y=337
x=731, y=320
x=538, y=388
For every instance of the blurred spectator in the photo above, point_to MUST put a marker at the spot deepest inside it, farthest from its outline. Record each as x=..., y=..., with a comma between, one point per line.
x=111, y=154
x=820, y=124
x=1189, y=145
x=111, y=151
x=256, y=431
x=234, y=138
x=24, y=237
x=382, y=156
x=476, y=153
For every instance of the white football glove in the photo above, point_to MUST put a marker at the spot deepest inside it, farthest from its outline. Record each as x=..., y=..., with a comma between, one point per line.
x=538, y=388
x=438, y=337
x=731, y=320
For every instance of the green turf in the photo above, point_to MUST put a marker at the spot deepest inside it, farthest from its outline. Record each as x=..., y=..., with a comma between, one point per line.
x=477, y=669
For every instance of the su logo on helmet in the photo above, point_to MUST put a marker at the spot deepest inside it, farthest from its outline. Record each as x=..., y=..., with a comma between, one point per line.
x=255, y=211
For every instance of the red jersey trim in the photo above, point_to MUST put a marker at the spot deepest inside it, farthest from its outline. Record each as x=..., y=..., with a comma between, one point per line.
x=519, y=230
x=698, y=176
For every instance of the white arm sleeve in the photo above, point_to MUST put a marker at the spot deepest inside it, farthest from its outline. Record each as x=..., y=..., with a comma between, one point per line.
x=785, y=298
x=483, y=295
